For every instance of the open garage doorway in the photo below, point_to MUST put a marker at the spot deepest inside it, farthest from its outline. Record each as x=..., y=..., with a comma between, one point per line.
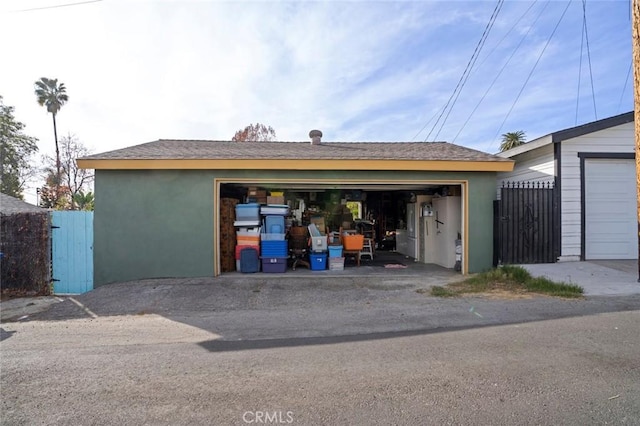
x=410, y=223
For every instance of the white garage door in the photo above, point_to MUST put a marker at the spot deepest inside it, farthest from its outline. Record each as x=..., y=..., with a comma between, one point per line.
x=610, y=209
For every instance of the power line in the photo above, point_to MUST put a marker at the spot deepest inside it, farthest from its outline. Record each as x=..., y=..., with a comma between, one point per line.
x=505, y=64
x=467, y=70
x=533, y=69
x=467, y=77
x=586, y=37
x=624, y=89
x=54, y=6
x=584, y=23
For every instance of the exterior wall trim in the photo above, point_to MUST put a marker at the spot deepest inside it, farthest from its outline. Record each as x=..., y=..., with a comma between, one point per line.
x=219, y=181
x=296, y=164
x=583, y=156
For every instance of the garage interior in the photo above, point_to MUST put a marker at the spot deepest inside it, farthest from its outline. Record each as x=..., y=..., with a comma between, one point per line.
x=409, y=223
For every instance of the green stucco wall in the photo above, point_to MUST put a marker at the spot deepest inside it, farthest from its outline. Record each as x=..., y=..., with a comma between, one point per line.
x=151, y=224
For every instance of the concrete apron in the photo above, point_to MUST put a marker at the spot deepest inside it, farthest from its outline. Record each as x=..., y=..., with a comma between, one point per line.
x=598, y=278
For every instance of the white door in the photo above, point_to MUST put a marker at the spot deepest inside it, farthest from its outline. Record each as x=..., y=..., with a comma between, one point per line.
x=610, y=209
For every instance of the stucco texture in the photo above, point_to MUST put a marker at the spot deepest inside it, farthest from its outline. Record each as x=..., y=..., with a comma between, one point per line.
x=160, y=223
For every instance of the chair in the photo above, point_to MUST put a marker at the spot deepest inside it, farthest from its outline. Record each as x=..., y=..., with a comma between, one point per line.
x=367, y=248
x=299, y=246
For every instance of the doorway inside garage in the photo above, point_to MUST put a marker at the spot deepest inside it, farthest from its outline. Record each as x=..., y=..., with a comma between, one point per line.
x=402, y=224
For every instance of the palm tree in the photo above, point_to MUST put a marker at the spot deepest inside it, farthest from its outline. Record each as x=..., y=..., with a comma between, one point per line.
x=53, y=96
x=512, y=139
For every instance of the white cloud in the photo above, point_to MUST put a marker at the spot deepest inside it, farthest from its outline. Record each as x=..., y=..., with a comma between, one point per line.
x=138, y=71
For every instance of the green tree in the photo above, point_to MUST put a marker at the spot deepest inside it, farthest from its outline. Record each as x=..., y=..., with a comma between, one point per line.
x=73, y=179
x=512, y=139
x=255, y=133
x=16, y=150
x=52, y=95
x=84, y=201
x=53, y=195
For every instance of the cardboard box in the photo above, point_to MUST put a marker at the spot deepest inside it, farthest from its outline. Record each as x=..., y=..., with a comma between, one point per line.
x=275, y=199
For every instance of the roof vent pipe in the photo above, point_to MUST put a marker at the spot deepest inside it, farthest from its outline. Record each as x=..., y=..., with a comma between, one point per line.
x=316, y=137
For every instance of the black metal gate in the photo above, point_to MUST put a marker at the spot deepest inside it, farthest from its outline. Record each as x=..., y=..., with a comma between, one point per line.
x=526, y=224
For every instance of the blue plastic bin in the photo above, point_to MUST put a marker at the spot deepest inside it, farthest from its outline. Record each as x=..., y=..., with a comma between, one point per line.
x=274, y=248
x=335, y=251
x=247, y=212
x=318, y=261
x=274, y=225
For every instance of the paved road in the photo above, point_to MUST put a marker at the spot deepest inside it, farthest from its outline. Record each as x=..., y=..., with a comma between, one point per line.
x=149, y=369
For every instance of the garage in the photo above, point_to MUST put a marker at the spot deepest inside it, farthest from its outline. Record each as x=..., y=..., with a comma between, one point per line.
x=610, y=209
x=167, y=208
x=418, y=221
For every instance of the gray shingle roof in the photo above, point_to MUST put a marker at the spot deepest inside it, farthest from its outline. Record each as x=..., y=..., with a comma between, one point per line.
x=11, y=205
x=164, y=149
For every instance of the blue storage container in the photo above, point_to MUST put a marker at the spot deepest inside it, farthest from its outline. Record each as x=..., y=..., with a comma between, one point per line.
x=275, y=265
x=247, y=212
x=274, y=224
x=318, y=261
x=274, y=248
x=249, y=260
x=335, y=251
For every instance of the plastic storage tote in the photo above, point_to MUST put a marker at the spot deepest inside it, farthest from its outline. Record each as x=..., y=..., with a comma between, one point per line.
x=335, y=251
x=275, y=209
x=274, y=225
x=247, y=212
x=318, y=261
x=319, y=243
x=274, y=248
x=353, y=242
x=275, y=265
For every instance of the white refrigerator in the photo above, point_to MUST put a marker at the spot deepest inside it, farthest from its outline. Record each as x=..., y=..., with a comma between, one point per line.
x=447, y=225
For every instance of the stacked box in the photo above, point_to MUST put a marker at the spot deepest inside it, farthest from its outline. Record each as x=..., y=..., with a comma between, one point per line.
x=227, y=234
x=336, y=263
x=244, y=238
x=275, y=199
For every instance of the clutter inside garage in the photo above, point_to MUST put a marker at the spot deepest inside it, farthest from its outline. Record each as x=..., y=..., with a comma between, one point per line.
x=272, y=229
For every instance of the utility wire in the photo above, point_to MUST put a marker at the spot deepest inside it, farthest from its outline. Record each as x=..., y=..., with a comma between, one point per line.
x=624, y=89
x=469, y=64
x=584, y=23
x=513, y=27
x=586, y=37
x=505, y=64
x=533, y=69
x=467, y=77
x=55, y=6
x=425, y=125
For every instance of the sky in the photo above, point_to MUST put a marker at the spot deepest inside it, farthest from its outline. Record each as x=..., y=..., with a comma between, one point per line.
x=142, y=70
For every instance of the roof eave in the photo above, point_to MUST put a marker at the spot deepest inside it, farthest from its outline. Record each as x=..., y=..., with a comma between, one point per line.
x=296, y=164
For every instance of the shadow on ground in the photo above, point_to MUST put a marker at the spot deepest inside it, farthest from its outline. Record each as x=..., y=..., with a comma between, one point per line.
x=273, y=310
